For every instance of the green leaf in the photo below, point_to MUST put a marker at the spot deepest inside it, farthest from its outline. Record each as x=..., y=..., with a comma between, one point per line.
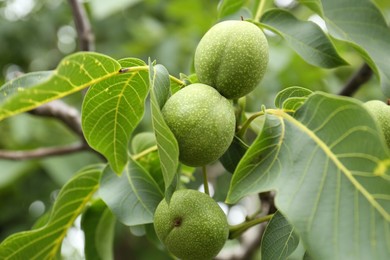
x=361, y=24
x=133, y=196
x=98, y=224
x=75, y=72
x=112, y=109
x=143, y=141
x=279, y=239
x=292, y=98
x=330, y=155
x=168, y=148
x=233, y=155
x=44, y=242
x=228, y=7
x=306, y=38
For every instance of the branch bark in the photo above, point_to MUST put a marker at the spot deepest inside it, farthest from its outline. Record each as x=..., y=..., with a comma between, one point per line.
x=357, y=80
x=43, y=152
x=83, y=26
x=59, y=110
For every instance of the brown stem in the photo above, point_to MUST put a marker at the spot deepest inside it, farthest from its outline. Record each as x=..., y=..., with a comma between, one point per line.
x=83, y=26
x=61, y=111
x=43, y=152
x=358, y=79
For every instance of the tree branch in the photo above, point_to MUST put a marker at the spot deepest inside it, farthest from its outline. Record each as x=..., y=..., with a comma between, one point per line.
x=43, y=152
x=61, y=111
x=359, y=78
x=83, y=26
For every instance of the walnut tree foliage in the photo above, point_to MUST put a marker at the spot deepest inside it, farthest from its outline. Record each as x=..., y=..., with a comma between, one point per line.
x=323, y=155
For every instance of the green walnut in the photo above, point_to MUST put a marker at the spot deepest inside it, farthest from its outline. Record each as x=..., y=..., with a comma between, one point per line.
x=232, y=57
x=202, y=121
x=191, y=226
x=381, y=113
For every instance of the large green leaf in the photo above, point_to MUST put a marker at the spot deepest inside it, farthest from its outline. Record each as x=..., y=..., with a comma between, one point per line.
x=279, y=239
x=330, y=168
x=97, y=223
x=360, y=23
x=168, y=148
x=44, y=242
x=75, y=72
x=304, y=37
x=133, y=196
x=112, y=109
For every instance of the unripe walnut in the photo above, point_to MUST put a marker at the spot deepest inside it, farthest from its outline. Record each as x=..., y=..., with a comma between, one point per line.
x=192, y=226
x=232, y=57
x=202, y=121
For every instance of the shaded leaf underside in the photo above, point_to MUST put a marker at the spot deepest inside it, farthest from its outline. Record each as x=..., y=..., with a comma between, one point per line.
x=133, y=196
x=306, y=38
x=360, y=23
x=324, y=164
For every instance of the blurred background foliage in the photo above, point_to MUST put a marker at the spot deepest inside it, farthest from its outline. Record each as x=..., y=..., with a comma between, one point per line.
x=36, y=34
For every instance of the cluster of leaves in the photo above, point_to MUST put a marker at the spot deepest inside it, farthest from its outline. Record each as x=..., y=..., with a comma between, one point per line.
x=324, y=155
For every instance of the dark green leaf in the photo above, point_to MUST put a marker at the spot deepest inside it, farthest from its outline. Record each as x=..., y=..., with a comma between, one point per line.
x=304, y=37
x=44, y=242
x=362, y=25
x=98, y=224
x=233, y=155
x=168, y=148
x=331, y=155
x=112, y=109
x=133, y=196
x=75, y=72
x=279, y=239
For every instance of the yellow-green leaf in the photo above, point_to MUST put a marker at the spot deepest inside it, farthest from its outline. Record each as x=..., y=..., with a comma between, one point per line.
x=74, y=72
x=113, y=108
x=44, y=242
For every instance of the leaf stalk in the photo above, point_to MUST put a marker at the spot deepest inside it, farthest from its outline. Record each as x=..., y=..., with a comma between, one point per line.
x=237, y=230
x=205, y=181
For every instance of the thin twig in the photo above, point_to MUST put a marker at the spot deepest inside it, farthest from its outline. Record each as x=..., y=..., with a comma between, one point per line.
x=267, y=207
x=358, y=79
x=59, y=110
x=250, y=246
x=43, y=152
x=83, y=26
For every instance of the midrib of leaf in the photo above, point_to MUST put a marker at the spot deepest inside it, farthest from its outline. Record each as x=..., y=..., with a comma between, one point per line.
x=334, y=158
x=116, y=117
x=58, y=96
